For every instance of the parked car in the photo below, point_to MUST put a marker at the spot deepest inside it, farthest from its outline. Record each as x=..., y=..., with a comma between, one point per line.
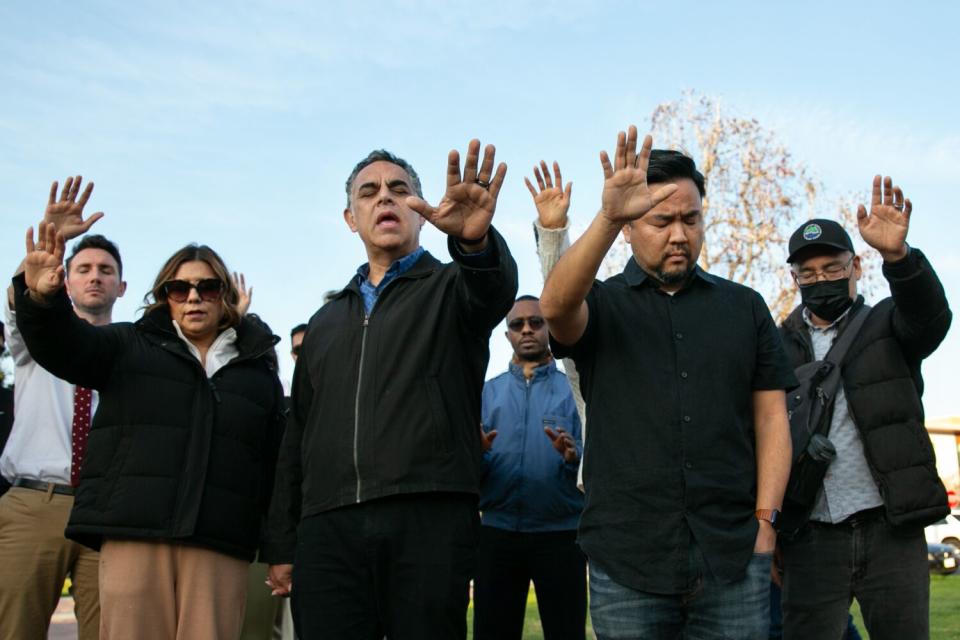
x=942, y=558
x=946, y=531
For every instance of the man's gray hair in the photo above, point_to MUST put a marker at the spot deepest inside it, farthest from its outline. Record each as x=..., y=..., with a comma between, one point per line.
x=382, y=155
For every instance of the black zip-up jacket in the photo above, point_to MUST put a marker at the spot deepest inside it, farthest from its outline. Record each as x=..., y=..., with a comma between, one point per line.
x=390, y=404
x=172, y=456
x=883, y=387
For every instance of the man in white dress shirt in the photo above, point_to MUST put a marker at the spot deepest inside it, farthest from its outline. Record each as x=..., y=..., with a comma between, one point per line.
x=42, y=457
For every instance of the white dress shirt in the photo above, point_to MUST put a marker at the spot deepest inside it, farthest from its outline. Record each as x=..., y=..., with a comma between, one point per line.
x=40, y=444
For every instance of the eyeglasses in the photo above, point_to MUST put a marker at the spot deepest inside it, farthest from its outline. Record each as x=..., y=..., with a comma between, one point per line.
x=209, y=289
x=833, y=271
x=516, y=324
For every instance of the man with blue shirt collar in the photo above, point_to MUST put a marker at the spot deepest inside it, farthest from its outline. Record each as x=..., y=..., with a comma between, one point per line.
x=374, y=515
x=529, y=498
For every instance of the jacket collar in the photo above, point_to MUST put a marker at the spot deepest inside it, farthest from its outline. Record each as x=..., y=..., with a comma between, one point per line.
x=637, y=277
x=253, y=335
x=544, y=370
x=423, y=267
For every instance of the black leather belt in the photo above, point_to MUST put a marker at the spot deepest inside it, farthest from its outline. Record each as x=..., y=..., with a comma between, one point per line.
x=858, y=519
x=27, y=483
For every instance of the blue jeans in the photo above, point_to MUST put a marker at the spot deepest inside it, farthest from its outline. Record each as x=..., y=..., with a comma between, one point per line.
x=711, y=611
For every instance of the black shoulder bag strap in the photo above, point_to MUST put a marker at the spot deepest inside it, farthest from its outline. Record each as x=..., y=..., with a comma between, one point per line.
x=836, y=354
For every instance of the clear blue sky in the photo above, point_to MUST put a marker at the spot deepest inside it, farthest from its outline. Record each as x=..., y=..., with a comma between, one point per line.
x=236, y=124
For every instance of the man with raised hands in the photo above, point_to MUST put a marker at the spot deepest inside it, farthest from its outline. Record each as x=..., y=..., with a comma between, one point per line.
x=683, y=375
x=43, y=456
x=375, y=505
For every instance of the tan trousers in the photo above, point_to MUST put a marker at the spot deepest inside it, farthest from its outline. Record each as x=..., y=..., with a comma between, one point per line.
x=35, y=559
x=159, y=591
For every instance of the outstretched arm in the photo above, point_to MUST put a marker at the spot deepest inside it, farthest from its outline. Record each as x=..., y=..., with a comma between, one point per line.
x=62, y=343
x=626, y=197
x=922, y=315
x=551, y=228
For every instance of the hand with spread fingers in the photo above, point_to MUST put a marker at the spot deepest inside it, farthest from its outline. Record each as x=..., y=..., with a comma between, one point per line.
x=562, y=443
x=885, y=227
x=626, y=195
x=467, y=207
x=246, y=295
x=552, y=202
x=43, y=266
x=66, y=214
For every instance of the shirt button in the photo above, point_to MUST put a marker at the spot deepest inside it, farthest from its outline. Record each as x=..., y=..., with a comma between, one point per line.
x=679, y=336
x=686, y=418
x=683, y=374
x=688, y=465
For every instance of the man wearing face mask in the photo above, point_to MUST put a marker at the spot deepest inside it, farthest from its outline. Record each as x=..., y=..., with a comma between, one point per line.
x=865, y=539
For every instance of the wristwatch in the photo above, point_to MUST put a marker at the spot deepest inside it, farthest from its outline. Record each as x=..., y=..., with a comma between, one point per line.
x=770, y=515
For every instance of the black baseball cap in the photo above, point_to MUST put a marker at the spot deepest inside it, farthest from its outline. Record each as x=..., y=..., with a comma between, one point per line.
x=819, y=232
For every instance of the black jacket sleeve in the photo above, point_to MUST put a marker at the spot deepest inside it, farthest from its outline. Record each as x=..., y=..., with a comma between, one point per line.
x=486, y=283
x=921, y=315
x=284, y=515
x=67, y=346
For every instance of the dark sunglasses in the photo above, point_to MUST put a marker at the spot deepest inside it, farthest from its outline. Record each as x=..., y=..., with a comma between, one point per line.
x=516, y=324
x=209, y=289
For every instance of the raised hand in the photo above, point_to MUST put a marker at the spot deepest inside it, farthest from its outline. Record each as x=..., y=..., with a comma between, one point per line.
x=562, y=443
x=66, y=214
x=467, y=207
x=885, y=227
x=626, y=195
x=552, y=202
x=43, y=266
x=246, y=295
x=486, y=439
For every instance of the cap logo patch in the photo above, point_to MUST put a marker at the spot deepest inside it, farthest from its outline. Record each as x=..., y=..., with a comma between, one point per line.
x=812, y=231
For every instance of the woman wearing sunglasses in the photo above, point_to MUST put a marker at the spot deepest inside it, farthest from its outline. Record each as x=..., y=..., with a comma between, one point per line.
x=181, y=452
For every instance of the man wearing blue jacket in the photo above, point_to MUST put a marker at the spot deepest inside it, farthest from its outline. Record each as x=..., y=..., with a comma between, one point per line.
x=529, y=499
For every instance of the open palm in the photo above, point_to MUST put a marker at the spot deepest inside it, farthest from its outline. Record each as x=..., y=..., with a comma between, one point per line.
x=466, y=209
x=885, y=227
x=66, y=213
x=43, y=266
x=552, y=201
x=626, y=195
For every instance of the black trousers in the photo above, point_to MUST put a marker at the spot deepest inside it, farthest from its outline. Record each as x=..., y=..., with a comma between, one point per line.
x=508, y=562
x=398, y=567
x=826, y=566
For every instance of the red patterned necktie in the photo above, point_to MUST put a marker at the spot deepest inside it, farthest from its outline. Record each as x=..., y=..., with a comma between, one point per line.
x=81, y=427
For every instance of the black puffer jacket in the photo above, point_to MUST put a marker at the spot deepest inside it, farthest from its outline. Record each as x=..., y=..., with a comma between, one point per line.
x=172, y=455
x=390, y=404
x=883, y=386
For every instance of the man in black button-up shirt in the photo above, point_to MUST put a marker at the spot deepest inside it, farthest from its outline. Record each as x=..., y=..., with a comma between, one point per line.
x=683, y=374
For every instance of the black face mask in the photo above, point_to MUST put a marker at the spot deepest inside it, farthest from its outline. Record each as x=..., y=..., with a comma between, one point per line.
x=828, y=299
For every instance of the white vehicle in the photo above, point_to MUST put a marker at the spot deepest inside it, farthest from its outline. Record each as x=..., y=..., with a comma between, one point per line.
x=946, y=531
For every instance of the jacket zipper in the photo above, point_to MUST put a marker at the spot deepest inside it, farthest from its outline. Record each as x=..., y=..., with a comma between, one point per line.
x=356, y=406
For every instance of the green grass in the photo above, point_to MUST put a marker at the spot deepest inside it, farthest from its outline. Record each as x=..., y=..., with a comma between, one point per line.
x=531, y=621
x=944, y=612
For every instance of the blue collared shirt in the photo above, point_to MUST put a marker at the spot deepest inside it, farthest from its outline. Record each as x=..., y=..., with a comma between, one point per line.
x=371, y=292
